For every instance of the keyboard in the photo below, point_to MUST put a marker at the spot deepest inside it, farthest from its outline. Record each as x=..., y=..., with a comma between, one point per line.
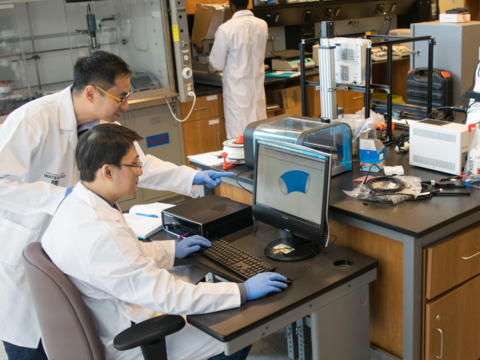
x=235, y=259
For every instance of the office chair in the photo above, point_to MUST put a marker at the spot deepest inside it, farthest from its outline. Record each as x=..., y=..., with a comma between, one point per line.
x=67, y=326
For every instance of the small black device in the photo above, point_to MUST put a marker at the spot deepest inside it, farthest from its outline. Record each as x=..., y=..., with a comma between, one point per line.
x=291, y=192
x=451, y=189
x=209, y=216
x=235, y=259
x=457, y=11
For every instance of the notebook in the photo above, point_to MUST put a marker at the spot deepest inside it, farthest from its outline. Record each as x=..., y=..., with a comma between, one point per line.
x=146, y=220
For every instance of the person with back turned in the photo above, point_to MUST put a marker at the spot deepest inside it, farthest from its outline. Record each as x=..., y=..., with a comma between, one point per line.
x=239, y=51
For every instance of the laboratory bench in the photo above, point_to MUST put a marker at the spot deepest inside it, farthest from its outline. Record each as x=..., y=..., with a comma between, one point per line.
x=424, y=301
x=332, y=289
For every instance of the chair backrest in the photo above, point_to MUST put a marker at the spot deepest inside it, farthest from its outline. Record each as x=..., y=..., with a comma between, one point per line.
x=67, y=326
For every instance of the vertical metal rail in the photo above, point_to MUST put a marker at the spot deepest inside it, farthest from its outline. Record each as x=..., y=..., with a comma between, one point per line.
x=389, y=93
x=431, y=42
x=302, y=77
x=368, y=78
x=328, y=85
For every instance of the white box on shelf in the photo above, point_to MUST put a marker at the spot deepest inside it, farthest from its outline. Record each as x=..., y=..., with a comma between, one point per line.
x=454, y=18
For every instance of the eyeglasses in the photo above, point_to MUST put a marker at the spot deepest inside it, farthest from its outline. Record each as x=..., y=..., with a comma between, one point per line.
x=117, y=99
x=138, y=165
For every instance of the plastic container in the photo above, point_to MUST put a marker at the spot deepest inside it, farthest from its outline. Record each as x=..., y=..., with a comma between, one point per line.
x=417, y=84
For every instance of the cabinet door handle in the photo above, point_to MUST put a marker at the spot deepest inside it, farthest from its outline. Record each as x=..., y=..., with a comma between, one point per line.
x=469, y=257
x=441, y=344
x=202, y=108
x=218, y=139
x=357, y=97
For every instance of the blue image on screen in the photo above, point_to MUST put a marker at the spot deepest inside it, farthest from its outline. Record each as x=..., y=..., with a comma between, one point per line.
x=295, y=180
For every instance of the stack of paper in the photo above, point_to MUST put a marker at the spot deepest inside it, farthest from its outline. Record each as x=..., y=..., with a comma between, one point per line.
x=146, y=220
x=206, y=159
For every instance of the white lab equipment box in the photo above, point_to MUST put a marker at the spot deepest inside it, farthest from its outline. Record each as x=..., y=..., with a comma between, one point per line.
x=440, y=145
x=350, y=57
x=349, y=60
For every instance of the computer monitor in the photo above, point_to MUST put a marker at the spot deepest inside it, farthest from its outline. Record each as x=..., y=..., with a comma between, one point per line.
x=291, y=192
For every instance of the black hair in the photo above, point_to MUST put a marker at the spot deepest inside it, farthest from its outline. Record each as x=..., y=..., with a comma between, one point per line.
x=98, y=69
x=103, y=144
x=240, y=4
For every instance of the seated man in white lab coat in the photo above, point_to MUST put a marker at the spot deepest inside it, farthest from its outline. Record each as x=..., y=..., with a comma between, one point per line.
x=37, y=157
x=239, y=51
x=122, y=279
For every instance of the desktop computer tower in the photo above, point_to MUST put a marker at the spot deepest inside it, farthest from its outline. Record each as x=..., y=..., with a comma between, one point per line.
x=209, y=216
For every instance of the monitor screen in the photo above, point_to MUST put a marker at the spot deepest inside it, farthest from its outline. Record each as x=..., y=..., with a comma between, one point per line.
x=291, y=192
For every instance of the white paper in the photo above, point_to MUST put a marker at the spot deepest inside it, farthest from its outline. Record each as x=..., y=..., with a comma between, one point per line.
x=206, y=159
x=143, y=226
x=150, y=209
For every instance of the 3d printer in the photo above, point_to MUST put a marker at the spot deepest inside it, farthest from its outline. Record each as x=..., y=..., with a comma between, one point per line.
x=334, y=138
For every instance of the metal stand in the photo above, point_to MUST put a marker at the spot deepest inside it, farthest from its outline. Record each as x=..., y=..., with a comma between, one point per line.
x=389, y=41
x=328, y=85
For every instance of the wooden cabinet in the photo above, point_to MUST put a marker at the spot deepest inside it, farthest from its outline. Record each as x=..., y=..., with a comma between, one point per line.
x=473, y=9
x=350, y=101
x=451, y=272
x=451, y=296
x=204, y=131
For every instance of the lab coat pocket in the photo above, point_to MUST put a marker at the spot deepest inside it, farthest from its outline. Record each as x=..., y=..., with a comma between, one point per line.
x=17, y=237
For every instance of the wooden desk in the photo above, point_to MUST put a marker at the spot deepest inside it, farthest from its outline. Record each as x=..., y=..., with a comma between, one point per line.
x=400, y=237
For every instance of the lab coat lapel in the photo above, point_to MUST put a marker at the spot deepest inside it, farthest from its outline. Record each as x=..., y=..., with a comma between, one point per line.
x=66, y=116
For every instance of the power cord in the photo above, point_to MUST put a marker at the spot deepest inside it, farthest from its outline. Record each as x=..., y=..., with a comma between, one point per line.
x=236, y=179
x=389, y=190
x=454, y=108
x=402, y=143
x=427, y=191
x=190, y=93
x=316, y=258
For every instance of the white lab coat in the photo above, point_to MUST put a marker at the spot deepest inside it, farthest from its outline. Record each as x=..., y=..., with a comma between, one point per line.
x=37, y=164
x=122, y=279
x=239, y=51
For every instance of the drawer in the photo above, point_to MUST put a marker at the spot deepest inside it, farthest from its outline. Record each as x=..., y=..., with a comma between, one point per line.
x=350, y=101
x=205, y=107
x=451, y=324
x=453, y=260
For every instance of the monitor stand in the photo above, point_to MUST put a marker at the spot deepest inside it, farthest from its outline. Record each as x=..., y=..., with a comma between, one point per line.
x=292, y=248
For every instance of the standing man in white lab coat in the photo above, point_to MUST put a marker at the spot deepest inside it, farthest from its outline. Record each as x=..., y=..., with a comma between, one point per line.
x=122, y=279
x=37, y=157
x=239, y=51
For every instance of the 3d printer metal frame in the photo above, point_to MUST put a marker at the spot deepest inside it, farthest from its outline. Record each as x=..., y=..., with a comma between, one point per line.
x=388, y=41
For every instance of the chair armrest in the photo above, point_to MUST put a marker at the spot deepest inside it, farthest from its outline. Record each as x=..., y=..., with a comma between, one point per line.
x=148, y=331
